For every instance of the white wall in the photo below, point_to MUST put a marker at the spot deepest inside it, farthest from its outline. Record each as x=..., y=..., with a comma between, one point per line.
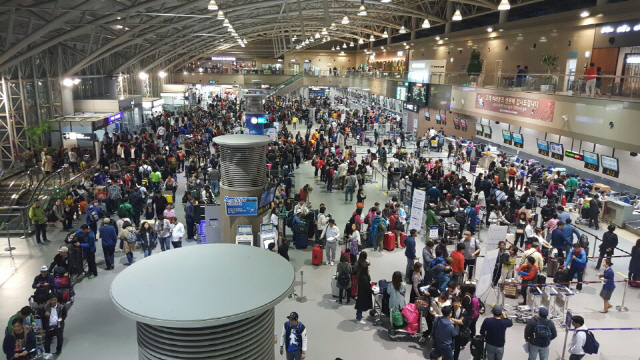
x=629, y=166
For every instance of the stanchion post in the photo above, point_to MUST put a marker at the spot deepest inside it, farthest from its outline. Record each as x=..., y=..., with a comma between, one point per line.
x=301, y=298
x=10, y=248
x=623, y=308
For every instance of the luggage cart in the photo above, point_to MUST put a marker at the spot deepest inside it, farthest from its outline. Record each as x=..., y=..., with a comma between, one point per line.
x=451, y=229
x=376, y=312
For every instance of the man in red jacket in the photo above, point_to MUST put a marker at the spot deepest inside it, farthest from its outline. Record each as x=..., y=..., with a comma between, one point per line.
x=528, y=274
x=458, y=264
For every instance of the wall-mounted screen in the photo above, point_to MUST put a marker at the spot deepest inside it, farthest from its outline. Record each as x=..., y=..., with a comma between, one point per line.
x=479, y=131
x=591, y=160
x=464, y=125
x=543, y=147
x=438, y=121
x=506, y=137
x=418, y=93
x=456, y=123
x=487, y=132
x=517, y=140
x=557, y=151
x=610, y=166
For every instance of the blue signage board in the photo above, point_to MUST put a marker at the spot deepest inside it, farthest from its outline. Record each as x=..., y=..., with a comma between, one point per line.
x=115, y=117
x=202, y=231
x=241, y=206
x=255, y=123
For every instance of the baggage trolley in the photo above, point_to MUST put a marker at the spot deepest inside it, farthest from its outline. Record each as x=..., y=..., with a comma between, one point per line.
x=376, y=312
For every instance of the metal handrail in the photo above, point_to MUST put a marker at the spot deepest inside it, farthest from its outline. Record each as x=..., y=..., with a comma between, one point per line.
x=12, y=183
x=44, y=180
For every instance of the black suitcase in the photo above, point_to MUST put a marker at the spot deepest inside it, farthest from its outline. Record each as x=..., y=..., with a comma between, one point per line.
x=562, y=277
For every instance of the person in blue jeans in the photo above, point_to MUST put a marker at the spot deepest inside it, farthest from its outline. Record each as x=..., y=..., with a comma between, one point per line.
x=163, y=231
x=293, y=338
x=109, y=239
x=494, y=330
x=539, y=333
x=444, y=334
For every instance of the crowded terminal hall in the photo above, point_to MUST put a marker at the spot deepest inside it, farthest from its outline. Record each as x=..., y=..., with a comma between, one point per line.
x=451, y=180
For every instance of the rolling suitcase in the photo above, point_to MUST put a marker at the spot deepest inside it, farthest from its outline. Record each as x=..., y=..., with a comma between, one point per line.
x=354, y=286
x=562, y=277
x=316, y=255
x=510, y=290
x=552, y=267
x=389, y=241
x=403, y=237
x=334, y=286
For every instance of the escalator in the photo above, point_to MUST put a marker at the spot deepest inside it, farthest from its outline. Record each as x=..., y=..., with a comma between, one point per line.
x=14, y=186
x=292, y=84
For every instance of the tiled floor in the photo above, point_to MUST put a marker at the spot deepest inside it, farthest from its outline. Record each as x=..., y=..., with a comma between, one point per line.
x=95, y=330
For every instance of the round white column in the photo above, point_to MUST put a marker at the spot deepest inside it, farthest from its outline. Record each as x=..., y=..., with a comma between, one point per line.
x=214, y=301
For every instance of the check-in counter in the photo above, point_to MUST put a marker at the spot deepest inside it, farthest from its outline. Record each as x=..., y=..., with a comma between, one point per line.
x=618, y=213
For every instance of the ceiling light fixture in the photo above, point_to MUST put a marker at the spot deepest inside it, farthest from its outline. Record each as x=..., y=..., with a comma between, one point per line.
x=385, y=34
x=341, y=52
x=426, y=24
x=362, y=11
x=162, y=73
x=310, y=39
x=345, y=20
x=333, y=47
x=143, y=75
x=226, y=22
x=333, y=26
x=403, y=30
x=344, y=46
x=371, y=38
x=437, y=37
x=504, y=5
x=324, y=31
x=385, y=1
x=360, y=41
x=212, y=5
x=317, y=35
x=220, y=15
x=457, y=16
x=352, y=44
x=585, y=14
x=489, y=29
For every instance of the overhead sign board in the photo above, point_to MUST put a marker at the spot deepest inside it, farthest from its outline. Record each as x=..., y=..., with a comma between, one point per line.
x=115, y=117
x=79, y=136
x=536, y=109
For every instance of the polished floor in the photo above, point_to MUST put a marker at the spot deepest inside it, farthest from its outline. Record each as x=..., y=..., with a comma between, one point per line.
x=95, y=330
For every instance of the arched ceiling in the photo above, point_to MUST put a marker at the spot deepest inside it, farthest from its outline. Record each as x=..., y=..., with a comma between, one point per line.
x=168, y=33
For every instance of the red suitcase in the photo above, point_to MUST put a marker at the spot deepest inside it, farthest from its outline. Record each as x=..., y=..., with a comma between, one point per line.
x=316, y=255
x=354, y=286
x=389, y=242
x=403, y=237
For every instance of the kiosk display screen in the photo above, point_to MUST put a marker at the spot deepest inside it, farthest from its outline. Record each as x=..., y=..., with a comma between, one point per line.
x=610, y=166
x=591, y=160
x=506, y=136
x=479, y=131
x=543, y=147
x=487, y=131
x=517, y=140
x=557, y=151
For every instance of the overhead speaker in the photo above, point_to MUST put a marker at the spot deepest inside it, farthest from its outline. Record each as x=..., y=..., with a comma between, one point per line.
x=633, y=154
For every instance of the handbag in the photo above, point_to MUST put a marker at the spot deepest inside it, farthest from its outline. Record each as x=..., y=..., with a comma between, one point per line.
x=519, y=231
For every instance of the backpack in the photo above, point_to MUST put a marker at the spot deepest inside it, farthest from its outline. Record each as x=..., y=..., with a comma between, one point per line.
x=344, y=278
x=585, y=204
x=125, y=210
x=133, y=236
x=584, y=241
x=94, y=215
x=477, y=347
x=347, y=229
x=382, y=227
x=542, y=335
x=591, y=345
x=145, y=172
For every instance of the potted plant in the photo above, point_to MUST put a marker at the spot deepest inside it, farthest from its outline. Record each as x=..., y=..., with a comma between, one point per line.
x=35, y=134
x=475, y=66
x=550, y=62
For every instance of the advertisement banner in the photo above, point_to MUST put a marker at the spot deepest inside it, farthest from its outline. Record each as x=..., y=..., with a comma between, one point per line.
x=417, y=210
x=535, y=109
x=241, y=206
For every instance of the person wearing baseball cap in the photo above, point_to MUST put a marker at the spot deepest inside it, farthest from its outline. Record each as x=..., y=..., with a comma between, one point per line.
x=43, y=284
x=294, y=338
x=494, y=331
x=539, y=333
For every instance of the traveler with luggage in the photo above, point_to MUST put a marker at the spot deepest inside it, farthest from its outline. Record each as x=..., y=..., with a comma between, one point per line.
x=43, y=284
x=608, y=245
x=293, y=338
x=163, y=232
x=61, y=260
x=428, y=255
x=331, y=234
x=396, y=291
x=608, y=286
x=471, y=252
x=539, y=333
x=416, y=282
x=54, y=315
x=321, y=224
x=494, y=330
x=528, y=275
x=344, y=272
x=443, y=333
x=364, y=302
x=576, y=262
x=94, y=214
x=89, y=247
x=109, y=238
x=19, y=341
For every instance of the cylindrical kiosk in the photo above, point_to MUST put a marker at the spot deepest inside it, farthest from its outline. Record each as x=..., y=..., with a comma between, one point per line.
x=243, y=173
x=208, y=315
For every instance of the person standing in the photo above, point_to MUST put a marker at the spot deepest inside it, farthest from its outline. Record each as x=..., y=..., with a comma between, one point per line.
x=444, y=334
x=608, y=286
x=293, y=338
x=494, y=331
x=410, y=252
x=577, y=262
x=428, y=255
x=177, y=233
x=634, y=263
x=471, y=252
x=18, y=341
x=364, y=302
x=571, y=185
x=89, y=246
x=539, y=333
x=608, y=245
x=590, y=75
x=331, y=234
x=189, y=212
x=163, y=231
x=39, y=220
x=109, y=239
x=54, y=316
x=344, y=272
x=349, y=187
x=594, y=211
x=528, y=274
x=576, y=346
